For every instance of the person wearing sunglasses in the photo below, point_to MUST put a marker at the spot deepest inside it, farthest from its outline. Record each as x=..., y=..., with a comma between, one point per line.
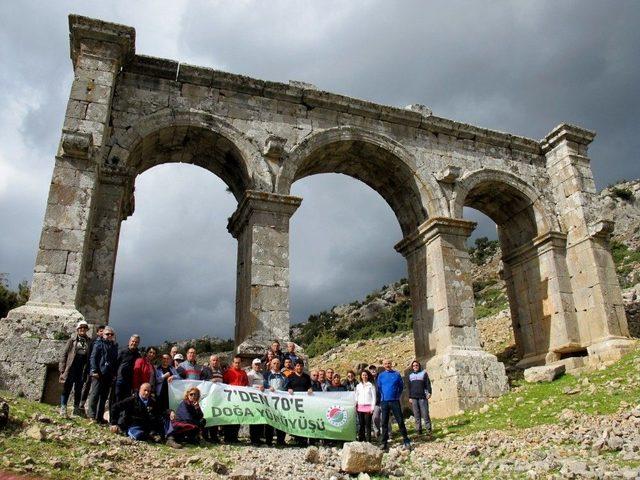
x=102, y=369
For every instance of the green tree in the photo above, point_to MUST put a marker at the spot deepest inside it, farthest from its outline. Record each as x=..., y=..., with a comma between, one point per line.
x=10, y=299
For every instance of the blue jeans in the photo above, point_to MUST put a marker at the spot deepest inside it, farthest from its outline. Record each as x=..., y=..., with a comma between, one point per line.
x=136, y=432
x=392, y=406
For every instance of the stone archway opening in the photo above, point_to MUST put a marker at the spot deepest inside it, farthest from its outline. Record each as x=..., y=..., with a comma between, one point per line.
x=165, y=287
x=532, y=268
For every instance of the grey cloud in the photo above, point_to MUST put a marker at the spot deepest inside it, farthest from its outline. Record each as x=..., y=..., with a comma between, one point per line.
x=521, y=67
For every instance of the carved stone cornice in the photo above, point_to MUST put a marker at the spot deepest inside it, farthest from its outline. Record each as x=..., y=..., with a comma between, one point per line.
x=261, y=208
x=430, y=229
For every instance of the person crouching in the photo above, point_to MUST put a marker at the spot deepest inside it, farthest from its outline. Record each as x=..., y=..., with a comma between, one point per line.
x=189, y=419
x=137, y=416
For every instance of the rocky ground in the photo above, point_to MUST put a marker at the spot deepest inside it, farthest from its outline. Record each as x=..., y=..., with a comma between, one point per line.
x=575, y=427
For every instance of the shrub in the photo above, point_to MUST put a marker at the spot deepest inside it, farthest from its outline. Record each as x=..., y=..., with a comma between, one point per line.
x=623, y=193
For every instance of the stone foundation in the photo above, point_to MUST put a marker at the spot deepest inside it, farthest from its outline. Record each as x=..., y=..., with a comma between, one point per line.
x=464, y=379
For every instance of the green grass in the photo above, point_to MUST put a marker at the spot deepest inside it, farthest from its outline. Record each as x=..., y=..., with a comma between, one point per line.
x=505, y=413
x=490, y=301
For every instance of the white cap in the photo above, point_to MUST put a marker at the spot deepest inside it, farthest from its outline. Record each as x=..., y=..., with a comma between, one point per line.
x=178, y=356
x=82, y=323
x=256, y=361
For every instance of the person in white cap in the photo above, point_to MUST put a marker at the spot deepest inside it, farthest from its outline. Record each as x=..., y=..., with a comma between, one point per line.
x=256, y=380
x=73, y=367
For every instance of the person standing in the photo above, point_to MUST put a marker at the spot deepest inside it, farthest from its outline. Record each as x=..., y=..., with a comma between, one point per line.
x=315, y=384
x=291, y=353
x=419, y=394
x=126, y=360
x=256, y=380
x=322, y=380
x=377, y=412
x=390, y=385
x=212, y=373
x=350, y=382
x=288, y=368
x=299, y=381
x=144, y=371
x=189, y=369
x=73, y=368
x=336, y=384
x=87, y=379
x=236, y=376
x=275, y=351
x=164, y=374
x=102, y=369
x=365, y=403
x=176, y=360
x=274, y=381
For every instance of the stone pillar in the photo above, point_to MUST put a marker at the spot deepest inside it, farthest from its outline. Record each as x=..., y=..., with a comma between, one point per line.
x=261, y=226
x=539, y=289
x=114, y=203
x=601, y=318
x=445, y=331
x=32, y=336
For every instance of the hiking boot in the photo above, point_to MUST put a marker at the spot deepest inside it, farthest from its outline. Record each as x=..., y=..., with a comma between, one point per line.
x=79, y=412
x=407, y=445
x=172, y=443
x=63, y=411
x=385, y=447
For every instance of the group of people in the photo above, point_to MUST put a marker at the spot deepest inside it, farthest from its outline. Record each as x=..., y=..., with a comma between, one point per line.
x=136, y=387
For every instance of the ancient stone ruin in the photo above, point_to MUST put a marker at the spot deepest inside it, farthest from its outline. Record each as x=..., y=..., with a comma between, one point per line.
x=128, y=113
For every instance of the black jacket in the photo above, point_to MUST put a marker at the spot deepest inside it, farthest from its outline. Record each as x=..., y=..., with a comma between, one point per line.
x=126, y=359
x=133, y=412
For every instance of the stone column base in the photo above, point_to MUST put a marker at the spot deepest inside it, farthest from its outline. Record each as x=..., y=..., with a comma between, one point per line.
x=610, y=349
x=464, y=379
x=532, y=361
x=32, y=339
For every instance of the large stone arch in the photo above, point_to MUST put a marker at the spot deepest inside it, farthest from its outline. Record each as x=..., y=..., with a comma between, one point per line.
x=378, y=161
x=193, y=137
x=534, y=261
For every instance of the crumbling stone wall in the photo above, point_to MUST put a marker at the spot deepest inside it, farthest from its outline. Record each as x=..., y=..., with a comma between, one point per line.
x=128, y=113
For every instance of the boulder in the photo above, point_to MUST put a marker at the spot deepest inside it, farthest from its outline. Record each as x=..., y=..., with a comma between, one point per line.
x=545, y=373
x=312, y=455
x=35, y=432
x=358, y=457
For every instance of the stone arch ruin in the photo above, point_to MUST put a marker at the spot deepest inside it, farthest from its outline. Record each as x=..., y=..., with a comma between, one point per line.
x=128, y=112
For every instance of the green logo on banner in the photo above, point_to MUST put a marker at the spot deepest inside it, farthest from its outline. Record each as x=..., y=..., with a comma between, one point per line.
x=337, y=416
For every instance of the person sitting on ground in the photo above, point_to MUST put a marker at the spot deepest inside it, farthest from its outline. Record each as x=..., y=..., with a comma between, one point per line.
x=365, y=403
x=315, y=384
x=189, y=418
x=73, y=368
x=288, y=368
x=189, y=369
x=164, y=375
x=274, y=381
x=137, y=416
x=256, y=380
x=336, y=384
x=390, y=384
x=329, y=375
x=102, y=369
x=291, y=353
x=177, y=359
x=350, y=382
x=212, y=373
x=144, y=371
x=419, y=394
x=238, y=377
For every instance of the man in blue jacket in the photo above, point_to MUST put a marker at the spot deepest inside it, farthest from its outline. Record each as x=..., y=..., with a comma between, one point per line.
x=390, y=386
x=102, y=371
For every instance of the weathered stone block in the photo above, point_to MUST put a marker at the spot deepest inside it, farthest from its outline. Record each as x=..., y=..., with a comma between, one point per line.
x=545, y=373
x=357, y=457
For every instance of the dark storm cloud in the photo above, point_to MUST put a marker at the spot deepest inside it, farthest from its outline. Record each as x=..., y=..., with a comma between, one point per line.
x=521, y=67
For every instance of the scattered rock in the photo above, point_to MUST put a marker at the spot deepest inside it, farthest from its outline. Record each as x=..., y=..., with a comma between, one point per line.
x=545, y=373
x=312, y=455
x=360, y=457
x=35, y=432
x=243, y=473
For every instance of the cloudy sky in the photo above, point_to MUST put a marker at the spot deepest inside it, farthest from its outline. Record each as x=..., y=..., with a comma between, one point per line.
x=520, y=66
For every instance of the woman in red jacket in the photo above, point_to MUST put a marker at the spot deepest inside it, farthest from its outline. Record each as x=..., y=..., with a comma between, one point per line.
x=144, y=371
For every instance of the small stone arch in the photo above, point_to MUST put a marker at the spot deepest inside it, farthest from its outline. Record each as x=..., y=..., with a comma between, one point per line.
x=412, y=197
x=242, y=168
